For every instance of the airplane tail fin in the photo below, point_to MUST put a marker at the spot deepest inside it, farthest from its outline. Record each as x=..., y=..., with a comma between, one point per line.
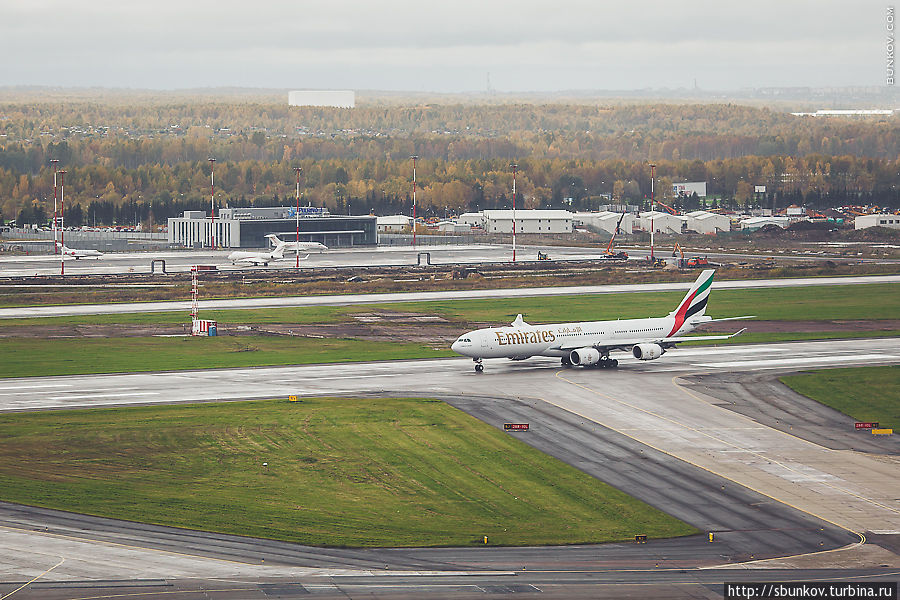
x=274, y=239
x=694, y=303
x=278, y=253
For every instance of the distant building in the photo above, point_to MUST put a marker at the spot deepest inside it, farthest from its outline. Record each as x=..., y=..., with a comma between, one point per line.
x=689, y=188
x=394, y=223
x=452, y=227
x=247, y=227
x=846, y=112
x=866, y=221
x=605, y=221
x=661, y=222
x=529, y=221
x=754, y=223
x=472, y=219
x=333, y=98
x=702, y=221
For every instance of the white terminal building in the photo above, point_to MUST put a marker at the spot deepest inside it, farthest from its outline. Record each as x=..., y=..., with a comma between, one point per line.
x=331, y=98
x=248, y=227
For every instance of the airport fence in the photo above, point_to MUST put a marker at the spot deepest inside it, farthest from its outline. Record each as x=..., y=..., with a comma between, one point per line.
x=104, y=241
x=405, y=239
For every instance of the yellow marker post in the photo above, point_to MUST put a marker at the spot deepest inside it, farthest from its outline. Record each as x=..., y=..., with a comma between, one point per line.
x=292, y=398
x=485, y=539
x=882, y=431
x=710, y=536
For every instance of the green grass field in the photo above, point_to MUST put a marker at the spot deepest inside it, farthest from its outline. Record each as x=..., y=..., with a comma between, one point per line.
x=341, y=472
x=852, y=302
x=25, y=357
x=870, y=301
x=28, y=357
x=870, y=394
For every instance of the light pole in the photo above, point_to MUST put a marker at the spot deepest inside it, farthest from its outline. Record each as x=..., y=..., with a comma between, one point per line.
x=297, y=248
x=212, y=203
x=515, y=169
x=55, y=163
x=415, y=159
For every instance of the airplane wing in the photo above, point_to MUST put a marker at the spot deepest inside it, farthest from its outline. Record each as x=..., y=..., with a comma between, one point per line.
x=730, y=319
x=665, y=342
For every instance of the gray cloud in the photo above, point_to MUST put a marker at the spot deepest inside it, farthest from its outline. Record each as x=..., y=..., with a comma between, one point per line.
x=400, y=44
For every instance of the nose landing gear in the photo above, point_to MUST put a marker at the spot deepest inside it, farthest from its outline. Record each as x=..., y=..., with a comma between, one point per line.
x=478, y=366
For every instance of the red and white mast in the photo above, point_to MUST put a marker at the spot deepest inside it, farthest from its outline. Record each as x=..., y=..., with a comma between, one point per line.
x=415, y=159
x=56, y=249
x=62, y=222
x=515, y=169
x=652, y=207
x=297, y=249
x=212, y=203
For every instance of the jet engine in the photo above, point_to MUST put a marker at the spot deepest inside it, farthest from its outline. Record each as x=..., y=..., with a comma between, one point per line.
x=584, y=356
x=647, y=351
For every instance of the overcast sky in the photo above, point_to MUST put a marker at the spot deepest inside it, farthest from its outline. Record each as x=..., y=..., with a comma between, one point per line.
x=447, y=46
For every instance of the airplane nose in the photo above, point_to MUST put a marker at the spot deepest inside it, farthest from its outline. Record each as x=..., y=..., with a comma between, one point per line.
x=455, y=346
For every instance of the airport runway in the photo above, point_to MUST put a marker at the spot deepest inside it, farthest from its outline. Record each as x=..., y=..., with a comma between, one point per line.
x=762, y=490
x=350, y=299
x=380, y=256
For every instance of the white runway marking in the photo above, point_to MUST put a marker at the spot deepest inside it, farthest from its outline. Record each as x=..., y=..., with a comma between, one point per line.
x=32, y=386
x=114, y=395
x=783, y=362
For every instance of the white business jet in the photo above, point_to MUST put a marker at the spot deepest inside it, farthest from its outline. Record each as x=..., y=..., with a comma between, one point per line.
x=244, y=257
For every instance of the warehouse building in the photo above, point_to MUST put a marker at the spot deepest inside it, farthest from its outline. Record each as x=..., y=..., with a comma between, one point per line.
x=702, y=221
x=248, y=227
x=866, y=221
x=754, y=223
x=394, y=224
x=529, y=221
x=662, y=222
x=605, y=221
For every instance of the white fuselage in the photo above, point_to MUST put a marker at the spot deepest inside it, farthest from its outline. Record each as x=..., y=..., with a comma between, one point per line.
x=304, y=247
x=560, y=339
x=253, y=258
x=81, y=253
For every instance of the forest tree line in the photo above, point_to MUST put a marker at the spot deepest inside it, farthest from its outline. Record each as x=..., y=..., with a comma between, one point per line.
x=124, y=160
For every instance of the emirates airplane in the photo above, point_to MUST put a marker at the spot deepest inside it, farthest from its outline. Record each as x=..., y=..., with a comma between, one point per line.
x=588, y=344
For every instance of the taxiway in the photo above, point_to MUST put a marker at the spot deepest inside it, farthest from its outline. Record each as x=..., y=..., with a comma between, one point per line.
x=648, y=428
x=351, y=299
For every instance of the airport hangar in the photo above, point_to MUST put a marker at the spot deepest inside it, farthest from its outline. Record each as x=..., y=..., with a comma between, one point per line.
x=247, y=227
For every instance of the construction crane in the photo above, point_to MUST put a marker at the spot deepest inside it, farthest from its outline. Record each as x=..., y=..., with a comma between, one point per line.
x=679, y=250
x=668, y=208
x=608, y=254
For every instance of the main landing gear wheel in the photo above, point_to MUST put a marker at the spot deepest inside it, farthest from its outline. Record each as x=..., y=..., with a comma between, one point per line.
x=566, y=362
x=608, y=363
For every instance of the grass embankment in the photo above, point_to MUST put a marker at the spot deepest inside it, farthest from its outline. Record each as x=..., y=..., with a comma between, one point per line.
x=33, y=357
x=387, y=472
x=842, y=302
x=25, y=357
x=869, y=394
